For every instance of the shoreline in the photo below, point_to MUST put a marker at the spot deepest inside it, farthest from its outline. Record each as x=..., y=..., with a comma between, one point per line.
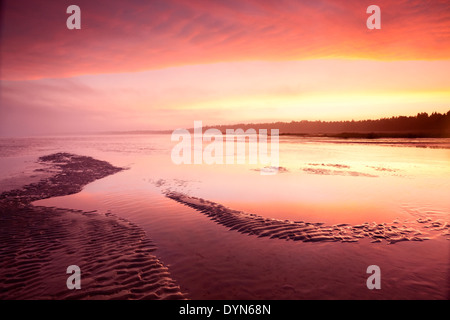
x=38, y=243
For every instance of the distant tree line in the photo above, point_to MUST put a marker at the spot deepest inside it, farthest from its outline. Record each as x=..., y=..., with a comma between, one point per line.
x=436, y=125
x=421, y=125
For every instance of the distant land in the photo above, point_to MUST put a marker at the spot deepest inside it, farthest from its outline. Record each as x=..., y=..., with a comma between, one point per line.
x=422, y=125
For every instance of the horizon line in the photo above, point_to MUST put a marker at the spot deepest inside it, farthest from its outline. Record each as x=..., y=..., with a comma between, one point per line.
x=166, y=131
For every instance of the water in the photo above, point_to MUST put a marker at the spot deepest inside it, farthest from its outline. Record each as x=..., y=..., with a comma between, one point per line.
x=326, y=180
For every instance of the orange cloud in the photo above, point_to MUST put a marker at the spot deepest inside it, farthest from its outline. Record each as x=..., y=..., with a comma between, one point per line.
x=130, y=36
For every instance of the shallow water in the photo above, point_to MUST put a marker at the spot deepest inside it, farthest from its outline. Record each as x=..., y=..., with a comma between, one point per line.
x=326, y=180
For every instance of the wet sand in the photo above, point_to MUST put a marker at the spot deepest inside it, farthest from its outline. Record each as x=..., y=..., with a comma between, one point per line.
x=252, y=224
x=37, y=243
x=240, y=256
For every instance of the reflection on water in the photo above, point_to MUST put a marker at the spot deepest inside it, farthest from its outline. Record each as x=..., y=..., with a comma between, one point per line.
x=324, y=180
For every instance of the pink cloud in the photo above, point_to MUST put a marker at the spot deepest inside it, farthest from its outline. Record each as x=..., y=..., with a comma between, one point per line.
x=128, y=36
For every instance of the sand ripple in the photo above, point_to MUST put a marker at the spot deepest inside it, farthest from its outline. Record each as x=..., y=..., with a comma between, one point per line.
x=71, y=173
x=37, y=244
x=311, y=232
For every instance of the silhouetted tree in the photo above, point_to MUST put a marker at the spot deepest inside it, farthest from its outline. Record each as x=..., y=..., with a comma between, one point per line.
x=434, y=125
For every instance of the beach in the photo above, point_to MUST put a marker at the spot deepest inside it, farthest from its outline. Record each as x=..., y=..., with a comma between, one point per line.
x=39, y=243
x=140, y=227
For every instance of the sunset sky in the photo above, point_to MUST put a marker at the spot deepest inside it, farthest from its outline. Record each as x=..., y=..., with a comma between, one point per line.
x=142, y=65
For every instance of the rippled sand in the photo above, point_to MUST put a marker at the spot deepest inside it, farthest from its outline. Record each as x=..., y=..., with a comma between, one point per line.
x=308, y=231
x=37, y=244
x=211, y=257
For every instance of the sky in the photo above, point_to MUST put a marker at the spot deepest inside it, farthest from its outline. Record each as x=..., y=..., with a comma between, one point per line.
x=151, y=65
